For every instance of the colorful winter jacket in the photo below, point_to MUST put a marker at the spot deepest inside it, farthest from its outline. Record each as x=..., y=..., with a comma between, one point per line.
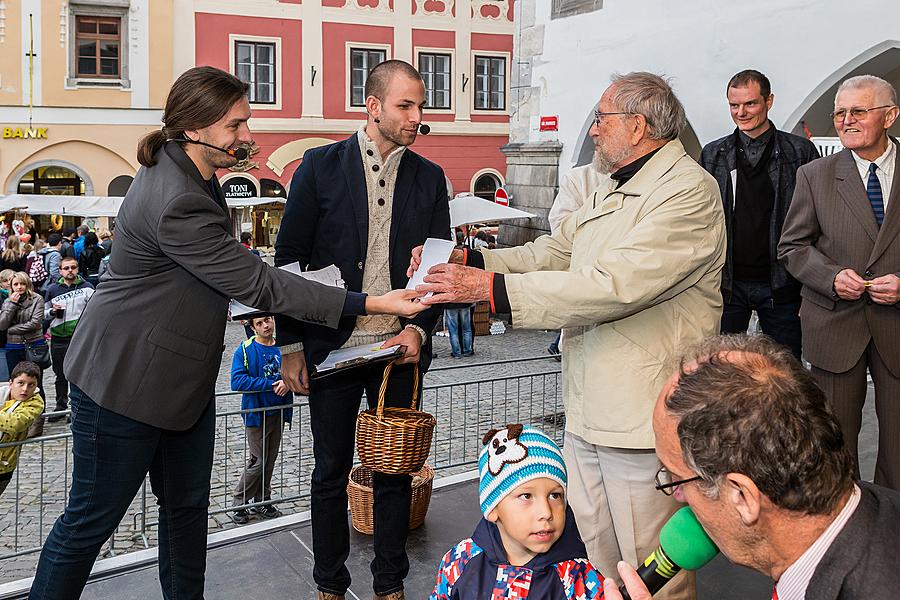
x=73, y=299
x=476, y=569
x=15, y=419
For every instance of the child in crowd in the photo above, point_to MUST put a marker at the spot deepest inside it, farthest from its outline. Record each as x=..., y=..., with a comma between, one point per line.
x=256, y=369
x=20, y=405
x=527, y=545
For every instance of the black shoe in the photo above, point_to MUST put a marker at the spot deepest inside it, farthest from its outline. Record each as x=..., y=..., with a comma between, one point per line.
x=240, y=516
x=267, y=512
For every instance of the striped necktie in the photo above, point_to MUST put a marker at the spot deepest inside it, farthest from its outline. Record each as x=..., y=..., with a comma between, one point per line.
x=873, y=190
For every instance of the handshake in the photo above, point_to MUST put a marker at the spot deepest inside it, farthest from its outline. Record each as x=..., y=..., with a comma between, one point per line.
x=444, y=282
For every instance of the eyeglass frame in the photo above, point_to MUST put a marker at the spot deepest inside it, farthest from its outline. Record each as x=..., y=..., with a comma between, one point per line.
x=669, y=488
x=849, y=111
x=599, y=114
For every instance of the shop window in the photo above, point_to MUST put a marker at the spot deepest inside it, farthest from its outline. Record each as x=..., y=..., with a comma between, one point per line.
x=269, y=188
x=255, y=64
x=51, y=181
x=98, y=46
x=485, y=186
x=362, y=61
x=435, y=70
x=490, y=83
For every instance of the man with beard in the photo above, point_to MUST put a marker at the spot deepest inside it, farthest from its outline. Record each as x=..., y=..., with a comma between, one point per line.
x=362, y=204
x=632, y=277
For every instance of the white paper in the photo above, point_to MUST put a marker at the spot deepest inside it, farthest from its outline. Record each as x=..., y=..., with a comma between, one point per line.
x=330, y=276
x=358, y=354
x=435, y=252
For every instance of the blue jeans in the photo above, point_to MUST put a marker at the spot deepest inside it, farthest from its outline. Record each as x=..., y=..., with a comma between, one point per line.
x=459, y=326
x=111, y=456
x=780, y=321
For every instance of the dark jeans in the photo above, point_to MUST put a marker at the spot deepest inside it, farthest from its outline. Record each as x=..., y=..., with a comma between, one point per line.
x=459, y=329
x=780, y=321
x=111, y=456
x=333, y=406
x=58, y=349
x=14, y=357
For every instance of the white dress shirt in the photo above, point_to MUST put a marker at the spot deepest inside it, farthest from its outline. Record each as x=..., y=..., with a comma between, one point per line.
x=884, y=172
x=793, y=583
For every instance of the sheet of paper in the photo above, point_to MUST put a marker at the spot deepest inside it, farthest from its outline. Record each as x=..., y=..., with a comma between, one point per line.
x=330, y=275
x=357, y=355
x=435, y=252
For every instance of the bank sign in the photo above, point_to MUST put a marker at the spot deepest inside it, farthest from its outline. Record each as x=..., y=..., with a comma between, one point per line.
x=25, y=133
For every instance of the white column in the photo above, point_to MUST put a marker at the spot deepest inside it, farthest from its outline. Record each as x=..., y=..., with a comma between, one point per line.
x=34, y=8
x=403, y=49
x=139, y=57
x=464, y=57
x=311, y=42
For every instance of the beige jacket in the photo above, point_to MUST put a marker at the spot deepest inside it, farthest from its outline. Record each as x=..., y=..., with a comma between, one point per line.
x=634, y=278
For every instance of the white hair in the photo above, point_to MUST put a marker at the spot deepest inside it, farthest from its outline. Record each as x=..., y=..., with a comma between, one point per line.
x=650, y=95
x=882, y=87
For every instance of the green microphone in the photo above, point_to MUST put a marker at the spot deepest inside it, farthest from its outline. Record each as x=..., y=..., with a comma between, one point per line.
x=682, y=545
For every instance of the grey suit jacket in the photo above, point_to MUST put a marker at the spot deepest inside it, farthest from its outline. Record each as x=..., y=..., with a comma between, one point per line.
x=861, y=562
x=150, y=341
x=830, y=227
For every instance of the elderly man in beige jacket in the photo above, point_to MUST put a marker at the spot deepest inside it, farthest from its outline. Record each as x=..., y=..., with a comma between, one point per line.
x=633, y=278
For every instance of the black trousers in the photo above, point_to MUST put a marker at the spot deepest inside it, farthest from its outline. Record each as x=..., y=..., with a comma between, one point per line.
x=58, y=348
x=333, y=406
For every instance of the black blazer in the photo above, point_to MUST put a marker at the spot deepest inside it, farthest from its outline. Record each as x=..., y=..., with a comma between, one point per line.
x=149, y=344
x=861, y=563
x=326, y=220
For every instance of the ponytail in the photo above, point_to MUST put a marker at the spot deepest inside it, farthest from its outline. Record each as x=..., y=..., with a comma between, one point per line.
x=149, y=146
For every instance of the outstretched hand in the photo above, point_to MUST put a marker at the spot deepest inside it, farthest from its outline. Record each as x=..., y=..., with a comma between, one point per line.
x=455, y=283
x=456, y=257
x=401, y=303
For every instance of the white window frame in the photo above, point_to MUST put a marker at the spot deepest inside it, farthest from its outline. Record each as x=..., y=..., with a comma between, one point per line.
x=233, y=38
x=386, y=48
x=99, y=8
x=451, y=52
x=506, y=83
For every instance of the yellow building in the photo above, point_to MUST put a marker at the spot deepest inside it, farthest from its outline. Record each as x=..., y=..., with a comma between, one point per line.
x=80, y=82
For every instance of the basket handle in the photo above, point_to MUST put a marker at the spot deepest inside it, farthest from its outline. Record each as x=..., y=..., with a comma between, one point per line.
x=379, y=411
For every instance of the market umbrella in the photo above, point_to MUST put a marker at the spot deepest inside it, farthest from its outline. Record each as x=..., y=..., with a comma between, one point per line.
x=466, y=210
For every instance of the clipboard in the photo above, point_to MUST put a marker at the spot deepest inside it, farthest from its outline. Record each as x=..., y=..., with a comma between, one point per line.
x=370, y=354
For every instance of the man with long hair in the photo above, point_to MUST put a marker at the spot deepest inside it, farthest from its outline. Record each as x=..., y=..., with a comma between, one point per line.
x=144, y=359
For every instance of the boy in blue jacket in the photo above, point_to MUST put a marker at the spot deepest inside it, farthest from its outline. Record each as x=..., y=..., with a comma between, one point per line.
x=527, y=545
x=256, y=370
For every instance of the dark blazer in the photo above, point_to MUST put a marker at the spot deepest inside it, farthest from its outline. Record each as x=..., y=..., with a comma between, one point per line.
x=791, y=152
x=861, y=562
x=149, y=344
x=830, y=227
x=326, y=220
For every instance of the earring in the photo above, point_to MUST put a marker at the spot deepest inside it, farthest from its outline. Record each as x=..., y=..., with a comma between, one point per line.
x=377, y=120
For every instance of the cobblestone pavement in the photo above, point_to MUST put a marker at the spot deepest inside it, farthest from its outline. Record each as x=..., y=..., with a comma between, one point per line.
x=467, y=395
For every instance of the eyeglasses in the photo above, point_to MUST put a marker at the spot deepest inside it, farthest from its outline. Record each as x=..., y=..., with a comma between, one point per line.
x=598, y=115
x=665, y=484
x=857, y=113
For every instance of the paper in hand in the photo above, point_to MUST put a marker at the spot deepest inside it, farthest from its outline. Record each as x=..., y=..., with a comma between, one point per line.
x=435, y=252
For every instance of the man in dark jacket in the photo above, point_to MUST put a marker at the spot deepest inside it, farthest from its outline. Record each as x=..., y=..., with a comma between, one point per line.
x=756, y=168
x=64, y=301
x=362, y=204
x=749, y=441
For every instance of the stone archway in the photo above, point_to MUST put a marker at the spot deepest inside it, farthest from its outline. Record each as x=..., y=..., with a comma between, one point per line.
x=882, y=60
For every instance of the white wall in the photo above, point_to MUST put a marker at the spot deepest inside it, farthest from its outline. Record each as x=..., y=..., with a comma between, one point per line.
x=803, y=46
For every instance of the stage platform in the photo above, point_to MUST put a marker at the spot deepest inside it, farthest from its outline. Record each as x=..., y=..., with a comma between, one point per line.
x=278, y=564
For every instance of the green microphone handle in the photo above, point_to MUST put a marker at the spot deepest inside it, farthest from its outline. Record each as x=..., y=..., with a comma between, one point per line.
x=683, y=544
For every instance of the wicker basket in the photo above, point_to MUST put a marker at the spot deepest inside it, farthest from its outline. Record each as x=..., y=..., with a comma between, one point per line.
x=393, y=440
x=359, y=492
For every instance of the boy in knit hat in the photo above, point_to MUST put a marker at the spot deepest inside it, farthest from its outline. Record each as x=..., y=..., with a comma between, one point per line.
x=527, y=545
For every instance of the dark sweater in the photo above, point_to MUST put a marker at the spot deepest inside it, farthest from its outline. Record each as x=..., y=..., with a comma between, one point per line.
x=751, y=232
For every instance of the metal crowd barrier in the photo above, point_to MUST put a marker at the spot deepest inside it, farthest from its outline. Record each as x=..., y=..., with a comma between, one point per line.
x=465, y=409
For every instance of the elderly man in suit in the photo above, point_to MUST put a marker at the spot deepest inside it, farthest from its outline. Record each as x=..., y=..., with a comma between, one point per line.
x=632, y=276
x=362, y=204
x=748, y=440
x=841, y=241
x=144, y=359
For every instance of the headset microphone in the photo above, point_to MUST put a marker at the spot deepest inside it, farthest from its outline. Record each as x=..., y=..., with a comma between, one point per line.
x=424, y=129
x=239, y=153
